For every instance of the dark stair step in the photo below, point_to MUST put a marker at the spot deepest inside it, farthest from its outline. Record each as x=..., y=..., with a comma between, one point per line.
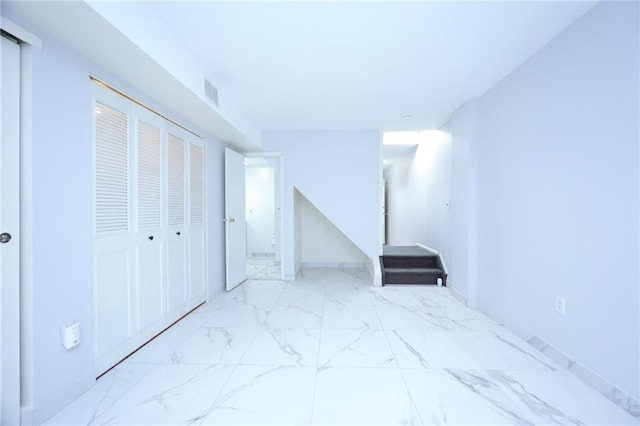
x=411, y=275
x=410, y=265
x=409, y=261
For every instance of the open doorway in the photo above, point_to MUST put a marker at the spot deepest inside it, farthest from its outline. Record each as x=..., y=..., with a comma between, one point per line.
x=417, y=179
x=262, y=212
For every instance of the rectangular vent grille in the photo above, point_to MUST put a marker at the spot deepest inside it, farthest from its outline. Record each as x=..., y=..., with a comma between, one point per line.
x=210, y=91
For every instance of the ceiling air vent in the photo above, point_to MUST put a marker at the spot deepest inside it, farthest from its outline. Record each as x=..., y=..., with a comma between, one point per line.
x=210, y=91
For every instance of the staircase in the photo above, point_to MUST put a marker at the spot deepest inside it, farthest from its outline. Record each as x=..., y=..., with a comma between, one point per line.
x=411, y=265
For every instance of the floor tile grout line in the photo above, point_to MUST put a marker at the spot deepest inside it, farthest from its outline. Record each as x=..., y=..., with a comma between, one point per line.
x=321, y=336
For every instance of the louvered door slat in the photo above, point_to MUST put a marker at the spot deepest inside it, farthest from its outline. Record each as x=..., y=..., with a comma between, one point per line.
x=195, y=184
x=149, y=182
x=112, y=170
x=176, y=178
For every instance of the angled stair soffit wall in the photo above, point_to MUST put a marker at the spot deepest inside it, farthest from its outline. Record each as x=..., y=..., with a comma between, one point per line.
x=338, y=237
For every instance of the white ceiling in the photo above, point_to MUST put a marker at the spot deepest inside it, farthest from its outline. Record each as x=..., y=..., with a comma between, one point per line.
x=333, y=65
x=291, y=65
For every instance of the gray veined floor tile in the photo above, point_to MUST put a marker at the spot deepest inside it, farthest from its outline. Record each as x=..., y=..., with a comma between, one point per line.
x=295, y=317
x=428, y=349
x=283, y=347
x=213, y=345
x=158, y=350
x=502, y=350
x=302, y=296
x=496, y=397
x=558, y=397
x=89, y=408
x=262, y=294
x=464, y=319
x=365, y=396
x=462, y=397
x=350, y=318
x=347, y=297
x=238, y=316
x=169, y=395
x=195, y=319
x=358, y=348
x=414, y=296
x=398, y=317
x=273, y=395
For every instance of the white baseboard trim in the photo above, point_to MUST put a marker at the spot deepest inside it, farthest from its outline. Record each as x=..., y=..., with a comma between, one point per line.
x=296, y=273
x=334, y=265
x=591, y=378
x=50, y=407
x=26, y=416
x=457, y=295
x=376, y=271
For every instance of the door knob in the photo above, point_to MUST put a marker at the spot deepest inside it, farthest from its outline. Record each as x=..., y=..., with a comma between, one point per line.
x=178, y=233
x=5, y=237
x=151, y=237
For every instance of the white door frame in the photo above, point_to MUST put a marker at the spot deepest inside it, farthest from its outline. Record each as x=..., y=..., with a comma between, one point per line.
x=25, y=366
x=279, y=185
x=10, y=229
x=234, y=220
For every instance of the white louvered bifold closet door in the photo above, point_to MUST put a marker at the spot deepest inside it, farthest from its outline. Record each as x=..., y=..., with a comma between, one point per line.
x=149, y=248
x=149, y=222
x=112, y=242
x=176, y=229
x=196, y=221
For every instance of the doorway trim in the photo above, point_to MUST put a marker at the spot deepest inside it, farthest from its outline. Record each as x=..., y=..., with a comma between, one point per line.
x=28, y=41
x=279, y=187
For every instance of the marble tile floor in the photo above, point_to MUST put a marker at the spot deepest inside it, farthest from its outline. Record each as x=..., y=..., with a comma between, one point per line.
x=263, y=269
x=331, y=349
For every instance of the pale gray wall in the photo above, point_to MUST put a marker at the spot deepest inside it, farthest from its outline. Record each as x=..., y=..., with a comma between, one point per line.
x=62, y=214
x=557, y=194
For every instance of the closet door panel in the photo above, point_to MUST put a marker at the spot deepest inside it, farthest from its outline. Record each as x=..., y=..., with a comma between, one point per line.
x=149, y=248
x=149, y=284
x=113, y=324
x=176, y=247
x=196, y=223
x=196, y=282
x=176, y=272
x=113, y=317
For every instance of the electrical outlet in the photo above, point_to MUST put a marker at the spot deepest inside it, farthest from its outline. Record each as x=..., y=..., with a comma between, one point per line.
x=560, y=304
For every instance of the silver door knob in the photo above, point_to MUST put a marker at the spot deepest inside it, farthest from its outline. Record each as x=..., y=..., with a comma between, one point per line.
x=5, y=237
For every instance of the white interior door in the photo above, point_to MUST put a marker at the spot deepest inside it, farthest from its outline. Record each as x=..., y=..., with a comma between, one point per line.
x=9, y=237
x=235, y=224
